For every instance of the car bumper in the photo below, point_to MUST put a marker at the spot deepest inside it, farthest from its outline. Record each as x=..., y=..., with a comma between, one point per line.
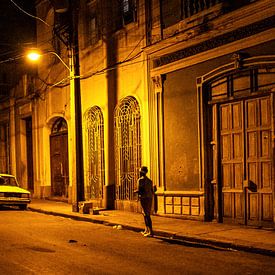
x=14, y=201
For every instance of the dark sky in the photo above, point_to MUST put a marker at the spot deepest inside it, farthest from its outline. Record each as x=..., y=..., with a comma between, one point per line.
x=16, y=28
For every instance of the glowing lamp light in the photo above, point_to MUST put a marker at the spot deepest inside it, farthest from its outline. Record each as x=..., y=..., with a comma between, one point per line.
x=34, y=56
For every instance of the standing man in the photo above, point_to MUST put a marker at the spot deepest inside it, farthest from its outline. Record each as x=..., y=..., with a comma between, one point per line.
x=145, y=193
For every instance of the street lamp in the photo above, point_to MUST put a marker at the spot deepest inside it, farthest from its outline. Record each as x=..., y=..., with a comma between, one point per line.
x=35, y=55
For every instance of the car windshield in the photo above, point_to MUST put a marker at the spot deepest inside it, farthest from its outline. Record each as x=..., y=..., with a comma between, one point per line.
x=8, y=181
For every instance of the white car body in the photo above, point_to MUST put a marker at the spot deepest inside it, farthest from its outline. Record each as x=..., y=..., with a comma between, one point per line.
x=11, y=193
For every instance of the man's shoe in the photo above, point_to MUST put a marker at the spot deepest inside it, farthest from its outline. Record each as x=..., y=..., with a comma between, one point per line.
x=148, y=234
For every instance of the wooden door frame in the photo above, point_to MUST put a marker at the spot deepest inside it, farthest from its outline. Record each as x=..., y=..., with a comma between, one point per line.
x=64, y=178
x=58, y=133
x=208, y=139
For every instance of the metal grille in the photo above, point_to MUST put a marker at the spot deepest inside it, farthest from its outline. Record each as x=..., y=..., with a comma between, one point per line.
x=127, y=147
x=13, y=195
x=95, y=150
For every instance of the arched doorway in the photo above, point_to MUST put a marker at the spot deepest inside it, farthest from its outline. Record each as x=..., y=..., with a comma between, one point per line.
x=239, y=103
x=127, y=150
x=59, y=159
x=95, y=170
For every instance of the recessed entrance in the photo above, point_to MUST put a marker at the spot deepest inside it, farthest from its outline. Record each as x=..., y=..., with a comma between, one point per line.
x=237, y=118
x=59, y=159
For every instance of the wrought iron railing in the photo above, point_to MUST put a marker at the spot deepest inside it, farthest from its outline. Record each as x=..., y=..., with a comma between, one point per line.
x=176, y=10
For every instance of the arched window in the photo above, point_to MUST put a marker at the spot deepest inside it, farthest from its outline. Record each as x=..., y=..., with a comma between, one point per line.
x=59, y=126
x=95, y=150
x=127, y=147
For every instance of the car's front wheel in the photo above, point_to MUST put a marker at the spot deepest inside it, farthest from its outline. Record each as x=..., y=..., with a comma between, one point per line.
x=22, y=206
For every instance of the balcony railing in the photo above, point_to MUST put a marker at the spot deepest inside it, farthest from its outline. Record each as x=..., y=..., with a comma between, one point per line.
x=177, y=10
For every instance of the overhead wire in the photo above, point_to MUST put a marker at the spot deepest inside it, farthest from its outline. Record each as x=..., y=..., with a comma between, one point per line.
x=88, y=75
x=33, y=16
x=10, y=59
x=43, y=42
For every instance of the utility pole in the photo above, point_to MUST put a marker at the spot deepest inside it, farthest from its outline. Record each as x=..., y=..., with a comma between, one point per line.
x=74, y=50
x=68, y=34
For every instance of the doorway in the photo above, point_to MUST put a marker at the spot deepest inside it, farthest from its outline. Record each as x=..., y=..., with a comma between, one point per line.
x=59, y=159
x=245, y=156
x=29, y=146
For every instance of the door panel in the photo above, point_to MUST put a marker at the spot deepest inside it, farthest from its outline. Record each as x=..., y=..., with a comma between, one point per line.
x=244, y=136
x=253, y=211
x=259, y=160
x=231, y=147
x=267, y=207
x=29, y=147
x=59, y=165
x=227, y=202
x=239, y=211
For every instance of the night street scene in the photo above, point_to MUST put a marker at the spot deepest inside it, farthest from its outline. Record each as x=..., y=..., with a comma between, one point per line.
x=137, y=137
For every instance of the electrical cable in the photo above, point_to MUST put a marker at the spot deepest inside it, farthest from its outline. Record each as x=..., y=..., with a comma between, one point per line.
x=33, y=16
x=134, y=48
x=11, y=59
x=87, y=75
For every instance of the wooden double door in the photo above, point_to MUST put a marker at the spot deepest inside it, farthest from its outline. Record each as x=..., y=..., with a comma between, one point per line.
x=244, y=161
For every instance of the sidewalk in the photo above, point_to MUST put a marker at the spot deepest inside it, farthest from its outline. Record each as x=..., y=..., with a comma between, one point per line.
x=237, y=237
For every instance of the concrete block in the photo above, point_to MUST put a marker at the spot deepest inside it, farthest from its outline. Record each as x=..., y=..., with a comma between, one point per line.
x=84, y=207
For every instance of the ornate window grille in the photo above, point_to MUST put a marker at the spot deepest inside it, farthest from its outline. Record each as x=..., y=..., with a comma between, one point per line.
x=95, y=151
x=127, y=147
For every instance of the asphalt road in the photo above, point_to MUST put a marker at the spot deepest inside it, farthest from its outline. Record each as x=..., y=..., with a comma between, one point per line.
x=34, y=243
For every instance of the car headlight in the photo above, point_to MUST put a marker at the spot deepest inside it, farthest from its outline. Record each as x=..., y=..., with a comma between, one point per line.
x=2, y=194
x=25, y=196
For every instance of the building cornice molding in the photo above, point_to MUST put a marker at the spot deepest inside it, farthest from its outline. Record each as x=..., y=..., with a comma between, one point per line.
x=235, y=46
x=223, y=24
x=216, y=42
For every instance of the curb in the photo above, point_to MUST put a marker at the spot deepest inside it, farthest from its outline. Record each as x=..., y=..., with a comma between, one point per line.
x=170, y=237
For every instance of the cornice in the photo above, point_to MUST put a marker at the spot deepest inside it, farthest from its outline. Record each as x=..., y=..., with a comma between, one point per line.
x=215, y=42
x=228, y=48
x=223, y=24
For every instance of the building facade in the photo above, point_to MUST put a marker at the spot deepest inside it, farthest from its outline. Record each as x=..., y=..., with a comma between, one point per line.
x=212, y=69
x=183, y=87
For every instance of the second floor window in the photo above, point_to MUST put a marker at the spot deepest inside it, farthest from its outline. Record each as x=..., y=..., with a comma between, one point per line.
x=124, y=13
x=172, y=11
x=92, y=31
x=128, y=11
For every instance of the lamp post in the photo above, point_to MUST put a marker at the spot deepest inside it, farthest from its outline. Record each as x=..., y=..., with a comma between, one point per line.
x=35, y=55
x=73, y=68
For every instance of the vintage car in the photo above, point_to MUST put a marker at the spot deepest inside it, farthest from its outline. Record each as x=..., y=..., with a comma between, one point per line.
x=12, y=194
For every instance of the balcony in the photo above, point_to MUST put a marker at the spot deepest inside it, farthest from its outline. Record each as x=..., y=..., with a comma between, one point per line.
x=174, y=11
x=181, y=15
